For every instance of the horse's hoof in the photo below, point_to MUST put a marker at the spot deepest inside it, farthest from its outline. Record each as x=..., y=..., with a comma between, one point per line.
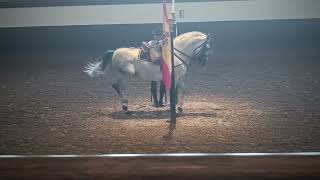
x=125, y=108
x=180, y=110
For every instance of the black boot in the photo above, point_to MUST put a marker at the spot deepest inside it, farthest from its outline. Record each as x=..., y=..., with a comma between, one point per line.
x=154, y=93
x=162, y=93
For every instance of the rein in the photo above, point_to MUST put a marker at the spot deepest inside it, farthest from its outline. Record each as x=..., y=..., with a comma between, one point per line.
x=186, y=55
x=183, y=62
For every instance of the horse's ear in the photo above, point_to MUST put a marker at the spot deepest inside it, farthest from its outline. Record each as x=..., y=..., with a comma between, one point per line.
x=208, y=36
x=108, y=51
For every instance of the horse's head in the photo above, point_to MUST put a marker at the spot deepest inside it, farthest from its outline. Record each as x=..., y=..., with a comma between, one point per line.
x=196, y=47
x=205, y=51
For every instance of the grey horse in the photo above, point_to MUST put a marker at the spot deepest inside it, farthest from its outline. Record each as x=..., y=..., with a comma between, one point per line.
x=124, y=63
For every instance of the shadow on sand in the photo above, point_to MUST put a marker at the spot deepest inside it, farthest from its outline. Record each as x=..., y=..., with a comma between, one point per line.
x=158, y=114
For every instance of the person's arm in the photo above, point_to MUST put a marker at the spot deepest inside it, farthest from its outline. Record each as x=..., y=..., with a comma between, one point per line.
x=145, y=45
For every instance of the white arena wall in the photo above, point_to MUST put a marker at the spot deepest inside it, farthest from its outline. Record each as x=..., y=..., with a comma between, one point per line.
x=152, y=13
x=264, y=27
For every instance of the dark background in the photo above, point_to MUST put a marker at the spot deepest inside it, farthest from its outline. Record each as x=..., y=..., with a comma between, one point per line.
x=241, y=37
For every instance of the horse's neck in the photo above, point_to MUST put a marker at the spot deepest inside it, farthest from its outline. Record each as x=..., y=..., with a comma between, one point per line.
x=187, y=48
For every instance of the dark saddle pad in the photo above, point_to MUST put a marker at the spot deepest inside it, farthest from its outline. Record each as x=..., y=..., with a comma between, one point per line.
x=144, y=56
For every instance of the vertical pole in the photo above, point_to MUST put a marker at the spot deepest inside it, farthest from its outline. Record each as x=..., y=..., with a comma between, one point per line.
x=173, y=12
x=172, y=89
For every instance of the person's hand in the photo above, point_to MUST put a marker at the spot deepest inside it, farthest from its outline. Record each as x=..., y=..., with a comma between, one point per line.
x=145, y=45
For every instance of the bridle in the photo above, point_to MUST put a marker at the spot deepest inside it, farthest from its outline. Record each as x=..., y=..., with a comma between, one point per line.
x=196, y=53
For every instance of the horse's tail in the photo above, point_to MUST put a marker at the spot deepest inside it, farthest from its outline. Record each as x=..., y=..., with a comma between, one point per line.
x=97, y=68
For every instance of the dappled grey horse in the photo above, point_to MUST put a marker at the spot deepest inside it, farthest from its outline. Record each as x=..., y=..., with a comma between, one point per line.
x=124, y=63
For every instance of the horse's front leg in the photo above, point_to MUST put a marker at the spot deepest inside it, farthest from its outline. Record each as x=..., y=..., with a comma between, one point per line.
x=181, y=90
x=119, y=86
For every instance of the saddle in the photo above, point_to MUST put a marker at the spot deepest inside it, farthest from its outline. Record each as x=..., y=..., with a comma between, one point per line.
x=150, y=53
x=144, y=56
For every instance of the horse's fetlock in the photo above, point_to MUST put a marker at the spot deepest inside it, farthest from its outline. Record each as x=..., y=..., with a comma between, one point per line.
x=125, y=108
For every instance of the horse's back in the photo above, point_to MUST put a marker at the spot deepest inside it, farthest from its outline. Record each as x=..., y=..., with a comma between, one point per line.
x=126, y=54
x=123, y=59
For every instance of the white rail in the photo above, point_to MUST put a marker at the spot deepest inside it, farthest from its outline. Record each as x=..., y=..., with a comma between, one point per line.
x=164, y=155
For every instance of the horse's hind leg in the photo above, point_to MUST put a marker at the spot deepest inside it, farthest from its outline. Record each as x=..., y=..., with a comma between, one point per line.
x=119, y=86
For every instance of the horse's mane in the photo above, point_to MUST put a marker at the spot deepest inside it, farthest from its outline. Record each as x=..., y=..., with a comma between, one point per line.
x=194, y=34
